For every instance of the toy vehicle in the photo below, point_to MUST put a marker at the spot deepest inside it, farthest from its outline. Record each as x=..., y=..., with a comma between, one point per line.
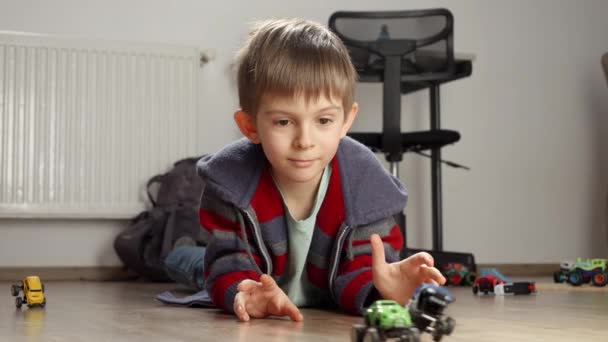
x=516, y=288
x=33, y=292
x=426, y=308
x=386, y=319
x=458, y=274
x=486, y=284
x=583, y=272
x=565, y=268
x=493, y=271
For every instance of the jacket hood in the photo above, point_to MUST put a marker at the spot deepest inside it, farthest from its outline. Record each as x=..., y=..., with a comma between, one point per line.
x=370, y=193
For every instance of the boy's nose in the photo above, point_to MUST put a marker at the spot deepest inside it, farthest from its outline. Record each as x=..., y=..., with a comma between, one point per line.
x=303, y=139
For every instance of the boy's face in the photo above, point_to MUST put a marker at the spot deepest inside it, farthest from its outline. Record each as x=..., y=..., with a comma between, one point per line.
x=298, y=137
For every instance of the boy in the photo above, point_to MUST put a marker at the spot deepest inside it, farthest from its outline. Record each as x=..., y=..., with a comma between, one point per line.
x=294, y=210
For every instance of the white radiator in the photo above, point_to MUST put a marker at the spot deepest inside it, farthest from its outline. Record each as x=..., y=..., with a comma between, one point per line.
x=84, y=123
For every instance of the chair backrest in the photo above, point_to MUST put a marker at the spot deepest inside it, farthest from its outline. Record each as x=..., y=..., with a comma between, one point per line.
x=422, y=38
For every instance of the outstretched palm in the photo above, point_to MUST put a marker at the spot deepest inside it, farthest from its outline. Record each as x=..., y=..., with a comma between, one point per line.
x=399, y=280
x=262, y=299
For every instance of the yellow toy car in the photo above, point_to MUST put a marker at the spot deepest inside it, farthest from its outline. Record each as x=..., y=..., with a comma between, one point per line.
x=33, y=292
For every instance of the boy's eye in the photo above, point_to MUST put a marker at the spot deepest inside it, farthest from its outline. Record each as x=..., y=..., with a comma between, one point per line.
x=282, y=122
x=325, y=121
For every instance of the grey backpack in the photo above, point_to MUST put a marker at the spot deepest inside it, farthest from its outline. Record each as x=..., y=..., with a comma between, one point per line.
x=150, y=236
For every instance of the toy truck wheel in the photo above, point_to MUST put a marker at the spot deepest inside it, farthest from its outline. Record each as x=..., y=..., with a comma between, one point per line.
x=371, y=335
x=412, y=335
x=450, y=323
x=475, y=289
x=455, y=279
x=575, y=278
x=43, y=303
x=438, y=332
x=600, y=279
x=357, y=333
x=558, y=277
x=15, y=290
x=18, y=302
x=470, y=278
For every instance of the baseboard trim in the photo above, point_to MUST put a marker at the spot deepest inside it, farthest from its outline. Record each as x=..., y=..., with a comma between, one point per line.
x=102, y=273
x=523, y=270
x=117, y=273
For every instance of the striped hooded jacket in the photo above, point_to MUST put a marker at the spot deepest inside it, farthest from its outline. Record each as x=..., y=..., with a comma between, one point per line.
x=242, y=214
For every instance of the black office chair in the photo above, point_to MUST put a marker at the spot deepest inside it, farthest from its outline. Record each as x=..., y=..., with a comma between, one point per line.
x=605, y=65
x=407, y=51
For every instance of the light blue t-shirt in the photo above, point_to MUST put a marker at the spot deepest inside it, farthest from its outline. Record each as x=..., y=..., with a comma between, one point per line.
x=295, y=281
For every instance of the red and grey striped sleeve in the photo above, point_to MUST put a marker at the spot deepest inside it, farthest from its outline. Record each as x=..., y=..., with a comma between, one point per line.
x=226, y=260
x=353, y=286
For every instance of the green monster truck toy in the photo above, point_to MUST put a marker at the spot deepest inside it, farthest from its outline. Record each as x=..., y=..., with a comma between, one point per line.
x=386, y=319
x=582, y=271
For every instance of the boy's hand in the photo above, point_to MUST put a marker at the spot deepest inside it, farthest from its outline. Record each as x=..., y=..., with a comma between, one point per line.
x=399, y=280
x=262, y=299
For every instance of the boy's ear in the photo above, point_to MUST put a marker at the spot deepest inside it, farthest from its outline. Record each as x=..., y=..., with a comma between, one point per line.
x=349, y=119
x=246, y=124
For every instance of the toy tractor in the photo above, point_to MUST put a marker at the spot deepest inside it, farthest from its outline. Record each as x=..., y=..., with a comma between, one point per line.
x=33, y=292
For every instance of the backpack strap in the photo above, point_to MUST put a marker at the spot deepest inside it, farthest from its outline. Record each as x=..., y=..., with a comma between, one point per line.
x=155, y=179
x=169, y=232
x=190, y=160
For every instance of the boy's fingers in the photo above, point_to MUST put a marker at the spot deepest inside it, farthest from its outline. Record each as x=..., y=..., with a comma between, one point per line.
x=293, y=312
x=378, y=258
x=267, y=281
x=433, y=282
x=247, y=285
x=418, y=260
x=239, y=307
x=432, y=274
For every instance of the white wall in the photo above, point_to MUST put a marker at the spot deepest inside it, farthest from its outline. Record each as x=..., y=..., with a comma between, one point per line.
x=532, y=118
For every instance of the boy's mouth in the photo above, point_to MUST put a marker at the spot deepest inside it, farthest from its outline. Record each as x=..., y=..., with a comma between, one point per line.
x=301, y=163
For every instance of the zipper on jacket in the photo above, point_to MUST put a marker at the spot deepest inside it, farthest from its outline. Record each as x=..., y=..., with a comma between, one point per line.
x=333, y=268
x=258, y=239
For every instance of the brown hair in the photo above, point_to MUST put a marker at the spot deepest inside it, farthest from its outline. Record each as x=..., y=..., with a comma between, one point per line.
x=291, y=57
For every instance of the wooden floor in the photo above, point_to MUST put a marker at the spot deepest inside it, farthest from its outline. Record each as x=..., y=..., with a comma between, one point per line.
x=122, y=311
